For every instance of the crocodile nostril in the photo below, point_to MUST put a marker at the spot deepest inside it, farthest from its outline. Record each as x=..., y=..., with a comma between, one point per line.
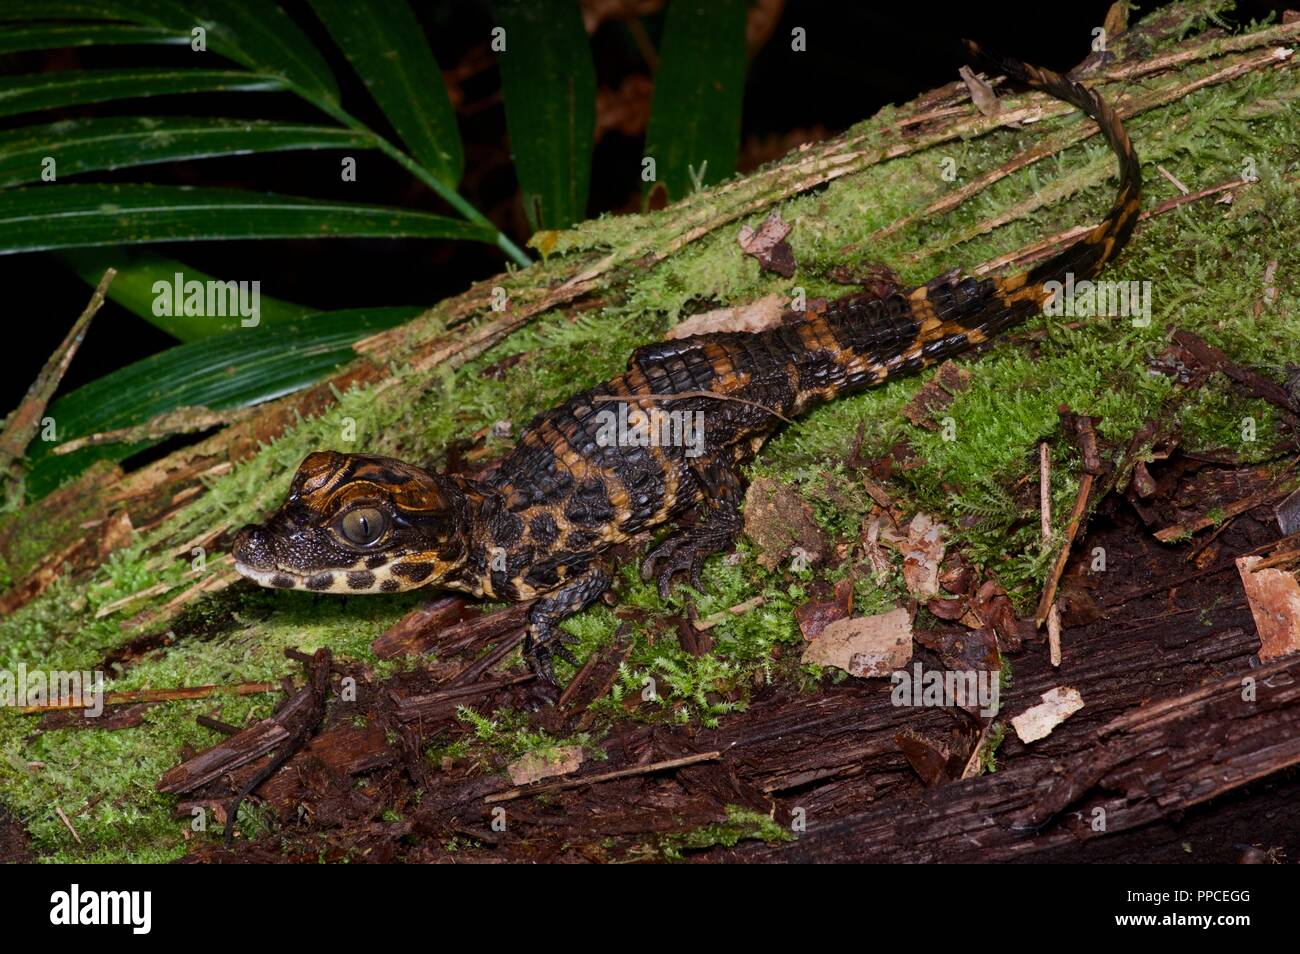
x=252, y=547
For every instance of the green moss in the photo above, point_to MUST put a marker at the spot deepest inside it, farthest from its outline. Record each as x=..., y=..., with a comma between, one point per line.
x=989, y=750
x=740, y=824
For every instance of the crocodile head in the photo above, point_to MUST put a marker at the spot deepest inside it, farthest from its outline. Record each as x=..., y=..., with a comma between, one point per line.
x=358, y=524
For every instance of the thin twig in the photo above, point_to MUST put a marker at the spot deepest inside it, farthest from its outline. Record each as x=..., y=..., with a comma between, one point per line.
x=1071, y=528
x=513, y=793
x=156, y=695
x=1045, y=513
x=225, y=728
x=181, y=420
x=18, y=432
x=68, y=822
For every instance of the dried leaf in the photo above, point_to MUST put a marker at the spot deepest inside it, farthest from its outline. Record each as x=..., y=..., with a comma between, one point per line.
x=864, y=646
x=779, y=521
x=753, y=317
x=1274, y=597
x=537, y=765
x=928, y=758
x=922, y=555
x=767, y=244
x=1038, y=721
x=981, y=94
x=814, y=616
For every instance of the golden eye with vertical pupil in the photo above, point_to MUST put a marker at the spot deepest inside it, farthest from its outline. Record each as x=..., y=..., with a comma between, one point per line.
x=363, y=526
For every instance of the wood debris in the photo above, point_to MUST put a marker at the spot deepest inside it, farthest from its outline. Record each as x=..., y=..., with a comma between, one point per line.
x=1037, y=722
x=1274, y=597
x=767, y=244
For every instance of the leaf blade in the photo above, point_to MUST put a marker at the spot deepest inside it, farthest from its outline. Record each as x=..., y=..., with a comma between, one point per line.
x=695, y=113
x=24, y=94
x=135, y=289
x=41, y=218
x=259, y=35
x=52, y=37
x=271, y=362
x=90, y=145
x=386, y=47
x=549, y=84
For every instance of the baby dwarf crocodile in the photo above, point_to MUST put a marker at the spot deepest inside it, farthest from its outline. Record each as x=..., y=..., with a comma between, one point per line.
x=538, y=526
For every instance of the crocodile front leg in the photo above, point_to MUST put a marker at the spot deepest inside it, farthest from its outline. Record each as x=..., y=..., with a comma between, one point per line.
x=542, y=636
x=717, y=529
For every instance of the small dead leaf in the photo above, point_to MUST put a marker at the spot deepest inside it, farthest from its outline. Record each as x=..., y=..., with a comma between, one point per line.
x=767, y=244
x=928, y=758
x=1116, y=21
x=778, y=521
x=947, y=609
x=936, y=394
x=1037, y=722
x=981, y=94
x=956, y=574
x=1274, y=597
x=864, y=646
x=536, y=765
x=922, y=555
x=992, y=607
x=963, y=650
x=815, y=616
x=1288, y=514
x=756, y=316
x=875, y=553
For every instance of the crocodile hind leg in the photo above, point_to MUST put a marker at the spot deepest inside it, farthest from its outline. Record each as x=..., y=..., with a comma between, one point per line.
x=542, y=636
x=719, y=525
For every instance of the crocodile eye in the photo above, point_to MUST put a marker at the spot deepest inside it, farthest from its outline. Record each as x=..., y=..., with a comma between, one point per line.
x=363, y=526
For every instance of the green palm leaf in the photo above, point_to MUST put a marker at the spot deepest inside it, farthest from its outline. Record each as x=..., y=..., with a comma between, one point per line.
x=55, y=36
x=385, y=45
x=88, y=145
x=135, y=289
x=238, y=369
x=694, y=130
x=23, y=94
x=549, y=85
x=256, y=34
x=37, y=218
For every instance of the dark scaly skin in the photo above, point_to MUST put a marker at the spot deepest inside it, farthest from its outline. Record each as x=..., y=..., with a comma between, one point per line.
x=539, y=526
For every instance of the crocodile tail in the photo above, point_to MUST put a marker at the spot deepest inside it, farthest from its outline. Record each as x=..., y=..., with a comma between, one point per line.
x=871, y=341
x=951, y=314
x=1085, y=258
x=860, y=341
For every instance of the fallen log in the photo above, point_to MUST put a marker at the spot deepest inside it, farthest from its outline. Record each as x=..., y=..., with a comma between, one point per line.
x=1180, y=752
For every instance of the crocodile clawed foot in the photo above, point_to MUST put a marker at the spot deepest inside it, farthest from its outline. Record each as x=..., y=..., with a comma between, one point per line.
x=541, y=644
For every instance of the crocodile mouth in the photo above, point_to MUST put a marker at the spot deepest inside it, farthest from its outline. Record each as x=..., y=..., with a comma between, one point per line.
x=359, y=579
